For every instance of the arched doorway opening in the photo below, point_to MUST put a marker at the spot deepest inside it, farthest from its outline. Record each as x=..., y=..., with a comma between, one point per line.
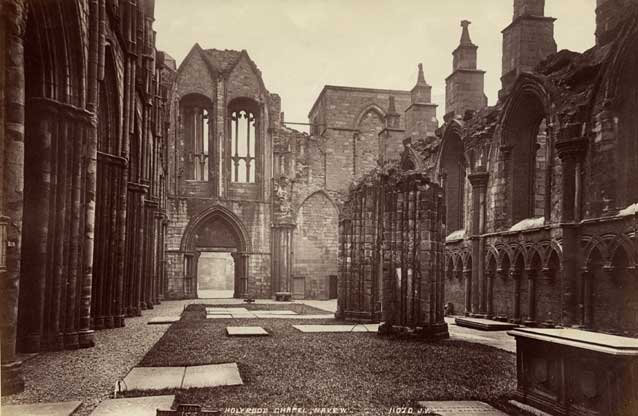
x=215, y=256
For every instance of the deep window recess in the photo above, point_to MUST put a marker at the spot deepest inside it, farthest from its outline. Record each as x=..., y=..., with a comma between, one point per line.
x=243, y=135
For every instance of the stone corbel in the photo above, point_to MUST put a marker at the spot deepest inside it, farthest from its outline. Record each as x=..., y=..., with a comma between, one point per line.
x=548, y=274
x=501, y=274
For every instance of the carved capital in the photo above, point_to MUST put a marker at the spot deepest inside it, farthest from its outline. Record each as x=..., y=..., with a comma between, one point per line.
x=571, y=149
x=479, y=179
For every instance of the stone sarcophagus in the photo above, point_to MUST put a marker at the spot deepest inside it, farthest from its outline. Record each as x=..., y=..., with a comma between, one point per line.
x=391, y=254
x=575, y=372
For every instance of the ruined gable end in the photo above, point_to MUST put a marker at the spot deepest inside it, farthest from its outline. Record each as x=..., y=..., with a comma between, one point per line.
x=244, y=80
x=194, y=76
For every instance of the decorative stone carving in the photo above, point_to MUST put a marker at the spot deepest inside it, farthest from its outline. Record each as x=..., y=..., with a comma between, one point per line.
x=282, y=194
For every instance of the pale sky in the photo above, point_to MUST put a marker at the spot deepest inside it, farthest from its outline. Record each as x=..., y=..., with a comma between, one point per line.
x=302, y=45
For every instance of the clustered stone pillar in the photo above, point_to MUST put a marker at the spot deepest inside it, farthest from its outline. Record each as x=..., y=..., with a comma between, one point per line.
x=391, y=261
x=413, y=286
x=479, y=285
x=359, y=298
x=282, y=257
x=571, y=148
x=13, y=16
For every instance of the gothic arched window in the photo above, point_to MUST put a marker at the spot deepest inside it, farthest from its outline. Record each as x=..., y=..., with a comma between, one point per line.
x=195, y=118
x=243, y=133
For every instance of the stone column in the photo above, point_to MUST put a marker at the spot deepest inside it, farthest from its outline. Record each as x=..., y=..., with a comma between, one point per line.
x=490, y=294
x=467, y=277
x=516, y=276
x=478, y=180
x=585, y=304
x=282, y=235
x=13, y=18
x=571, y=152
x=531, y=296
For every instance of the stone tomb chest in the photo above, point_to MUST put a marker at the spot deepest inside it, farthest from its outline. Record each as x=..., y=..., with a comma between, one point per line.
x=575, y=372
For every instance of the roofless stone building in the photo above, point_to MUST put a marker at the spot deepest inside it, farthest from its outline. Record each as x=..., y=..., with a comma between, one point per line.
x=126, y=180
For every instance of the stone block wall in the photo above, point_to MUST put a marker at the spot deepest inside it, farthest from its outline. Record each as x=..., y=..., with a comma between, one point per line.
x=391, y=261
x=315, y=244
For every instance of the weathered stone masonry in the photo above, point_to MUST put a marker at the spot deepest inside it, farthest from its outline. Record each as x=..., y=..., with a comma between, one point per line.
x=391, y=253
x=549, y=231
x=81, y=196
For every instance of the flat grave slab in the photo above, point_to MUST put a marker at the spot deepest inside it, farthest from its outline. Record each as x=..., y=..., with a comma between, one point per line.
x=274, y=316
x=153, y=378
x=41, y=409
x=246, y=331
x=212, y=375
x=460, y=408
x=138, y=406
x=159, y=320
x=226, y=316
x=244, y=315
x=484, y=324
x=333, y=328
x=212, y=311
x=275, y=312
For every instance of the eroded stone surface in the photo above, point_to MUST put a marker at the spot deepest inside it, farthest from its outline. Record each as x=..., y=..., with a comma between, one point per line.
x=225, y=316
x=159, y=320
x=458, y=408
x=138, y=406
x=336, y=328
x=212, y=375
x=42, y=409
x=245, y=331
x=153, y=378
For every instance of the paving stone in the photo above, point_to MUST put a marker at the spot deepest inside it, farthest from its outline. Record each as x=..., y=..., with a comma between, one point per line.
x=460, y=408
x=219, y=316
x=154, y=378
x=158, y=320
x=225, y=310
x=244, y=315
x=528, y=409
x=276, y=312
x=137, y=406
x=333, y=328
x=246, y=331
x=273, y=316
x=212, y=375
x=41, y=409
x=484, y=324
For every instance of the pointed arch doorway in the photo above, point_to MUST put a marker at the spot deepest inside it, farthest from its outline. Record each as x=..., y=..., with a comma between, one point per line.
x=215, y=256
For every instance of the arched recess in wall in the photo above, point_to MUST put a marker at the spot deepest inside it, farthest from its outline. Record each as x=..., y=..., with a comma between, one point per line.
x=452, y=173
x=610, y=288
x=503, y=287
x=548, y=296
x=57, y=195
x=519, y=277
x=216, y=230
x=315, y=243
x=624, y=90
x=455, y=285
x=196, y=115
x=526, y=151
x=368, y=124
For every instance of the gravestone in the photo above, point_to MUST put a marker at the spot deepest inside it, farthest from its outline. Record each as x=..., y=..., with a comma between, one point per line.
x=188, y=410
x=246, y=331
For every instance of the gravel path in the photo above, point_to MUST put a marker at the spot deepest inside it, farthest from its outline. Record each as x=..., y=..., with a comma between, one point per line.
x=89, y=375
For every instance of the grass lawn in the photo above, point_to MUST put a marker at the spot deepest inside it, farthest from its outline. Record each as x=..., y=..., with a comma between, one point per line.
x=358, y=371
